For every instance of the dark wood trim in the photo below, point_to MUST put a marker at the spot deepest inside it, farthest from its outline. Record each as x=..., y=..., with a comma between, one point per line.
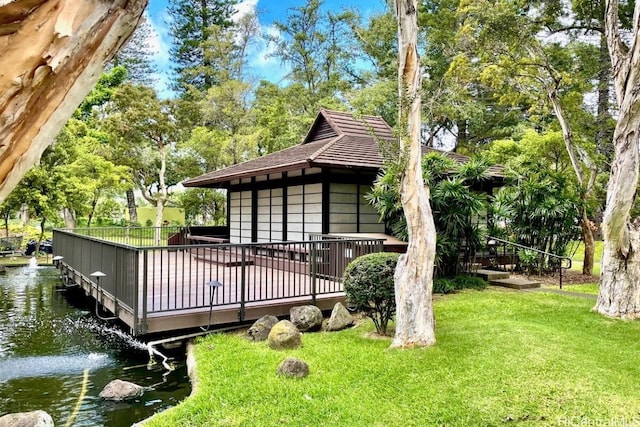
x=326, y=202
x=229, y=211
x=357, y=208
x=254, y=211
x=304, y=203
x=357, y=177
x=285, y=192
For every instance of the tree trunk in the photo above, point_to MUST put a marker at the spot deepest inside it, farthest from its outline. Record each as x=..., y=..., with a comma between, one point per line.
x=52, y=52
x=415, y=322
x=161, y=197
x=131, y=205
x=69, y=218
x=603, y=134
x=94, y=203
x=589, y=244
x=24, y=214
x=620, y=277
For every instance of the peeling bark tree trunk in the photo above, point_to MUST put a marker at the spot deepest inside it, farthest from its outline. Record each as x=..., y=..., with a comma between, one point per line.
x=131, y=205
x=52, y=52
x=620, y=278
x=415, y=322
x=69, y=218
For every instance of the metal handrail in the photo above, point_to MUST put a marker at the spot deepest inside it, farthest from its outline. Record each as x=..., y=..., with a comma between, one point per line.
x=527, y=248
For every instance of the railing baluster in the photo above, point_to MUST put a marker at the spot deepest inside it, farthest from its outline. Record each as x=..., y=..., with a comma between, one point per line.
x=243, y=284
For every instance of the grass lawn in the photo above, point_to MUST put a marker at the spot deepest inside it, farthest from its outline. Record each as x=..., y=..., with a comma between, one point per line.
x=585, y=288
x=19, y=260
x=502, y=358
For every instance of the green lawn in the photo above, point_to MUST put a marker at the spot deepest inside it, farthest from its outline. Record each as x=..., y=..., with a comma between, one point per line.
x=585, y=288
x=502, y=358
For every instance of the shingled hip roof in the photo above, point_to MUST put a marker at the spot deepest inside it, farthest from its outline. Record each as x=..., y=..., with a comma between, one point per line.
x=335, y=140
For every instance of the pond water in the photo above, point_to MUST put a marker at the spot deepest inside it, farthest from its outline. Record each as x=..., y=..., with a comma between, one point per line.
x=52, y=349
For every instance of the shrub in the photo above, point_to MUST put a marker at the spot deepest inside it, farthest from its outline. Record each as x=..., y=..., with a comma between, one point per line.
x=447, y=286
x=443, y=286
x=469, y=282
x=369, y=286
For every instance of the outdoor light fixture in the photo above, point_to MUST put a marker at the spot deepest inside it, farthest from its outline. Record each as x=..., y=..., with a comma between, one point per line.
x=56, y=260
x=97, y=275
x=213, y=285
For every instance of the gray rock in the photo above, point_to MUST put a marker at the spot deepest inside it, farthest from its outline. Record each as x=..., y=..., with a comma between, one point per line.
x=292, y=367
x=121, y=390
x=340, y=318
x=284, y=335
x=3, y=269
x=306, y=317
x=27, y=419
x=259, y=331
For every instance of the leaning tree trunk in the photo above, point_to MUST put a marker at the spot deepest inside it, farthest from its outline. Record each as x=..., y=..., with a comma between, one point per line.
x=52, y=52
x=577, y=156
x=620, y=277
x=415, y=322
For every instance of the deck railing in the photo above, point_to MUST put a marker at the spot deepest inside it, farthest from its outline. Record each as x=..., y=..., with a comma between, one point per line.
x=148, y=280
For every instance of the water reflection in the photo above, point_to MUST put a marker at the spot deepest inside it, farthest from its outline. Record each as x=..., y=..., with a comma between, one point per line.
x=46, y=344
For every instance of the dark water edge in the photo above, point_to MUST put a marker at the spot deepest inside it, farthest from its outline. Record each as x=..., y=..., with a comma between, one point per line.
x=49, y=338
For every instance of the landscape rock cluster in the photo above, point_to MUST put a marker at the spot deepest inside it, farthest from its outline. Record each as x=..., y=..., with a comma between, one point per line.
x=287, y=334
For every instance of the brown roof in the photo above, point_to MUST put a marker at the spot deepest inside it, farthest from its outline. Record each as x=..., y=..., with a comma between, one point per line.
x=336, y=140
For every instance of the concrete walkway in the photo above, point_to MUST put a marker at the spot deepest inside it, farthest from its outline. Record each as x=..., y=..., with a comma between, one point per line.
x=563, y=292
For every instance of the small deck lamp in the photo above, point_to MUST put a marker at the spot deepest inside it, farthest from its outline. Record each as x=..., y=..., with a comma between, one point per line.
x=213, y=285
x=97, y=275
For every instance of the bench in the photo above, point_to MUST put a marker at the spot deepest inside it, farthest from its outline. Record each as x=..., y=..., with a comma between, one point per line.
x=290, y=252
x=207, y=239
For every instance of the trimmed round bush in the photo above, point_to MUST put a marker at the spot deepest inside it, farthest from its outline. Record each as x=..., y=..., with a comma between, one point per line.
x=369, y=286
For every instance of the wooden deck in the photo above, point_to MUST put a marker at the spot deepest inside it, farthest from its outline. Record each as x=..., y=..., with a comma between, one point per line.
x=173, y=290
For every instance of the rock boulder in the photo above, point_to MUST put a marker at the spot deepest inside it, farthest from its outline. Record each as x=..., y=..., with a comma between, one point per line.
x=284, y=335
x=340, y=318
x=306, y=317
x=259, y=331
x=118, y=390
x=292, y=367
x=27, y=419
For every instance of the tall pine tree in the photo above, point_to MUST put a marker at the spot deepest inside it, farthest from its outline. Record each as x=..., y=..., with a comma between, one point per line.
x=191, y=27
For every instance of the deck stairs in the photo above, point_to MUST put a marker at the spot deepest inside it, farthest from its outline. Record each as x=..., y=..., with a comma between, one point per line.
x=501, y=278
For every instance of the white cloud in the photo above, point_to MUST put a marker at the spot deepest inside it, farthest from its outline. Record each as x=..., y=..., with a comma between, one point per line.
x=261, y=60
x=159, y=38
x=244, y=8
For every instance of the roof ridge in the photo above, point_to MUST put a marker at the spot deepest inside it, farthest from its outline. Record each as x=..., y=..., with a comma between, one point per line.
x=353, y=115
x=324, y=148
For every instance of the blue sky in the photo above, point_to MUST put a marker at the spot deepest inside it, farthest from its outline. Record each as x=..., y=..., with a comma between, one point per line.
x=261, y=66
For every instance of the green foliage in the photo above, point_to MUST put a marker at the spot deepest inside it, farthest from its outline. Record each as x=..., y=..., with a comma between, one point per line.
x=369, y=286
x=190, y=28
x=457, y=208
x=537, y=210
x=136, y=54
x=313, y=44
x=528, y=260
x=203, y=206
x=442, y=285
